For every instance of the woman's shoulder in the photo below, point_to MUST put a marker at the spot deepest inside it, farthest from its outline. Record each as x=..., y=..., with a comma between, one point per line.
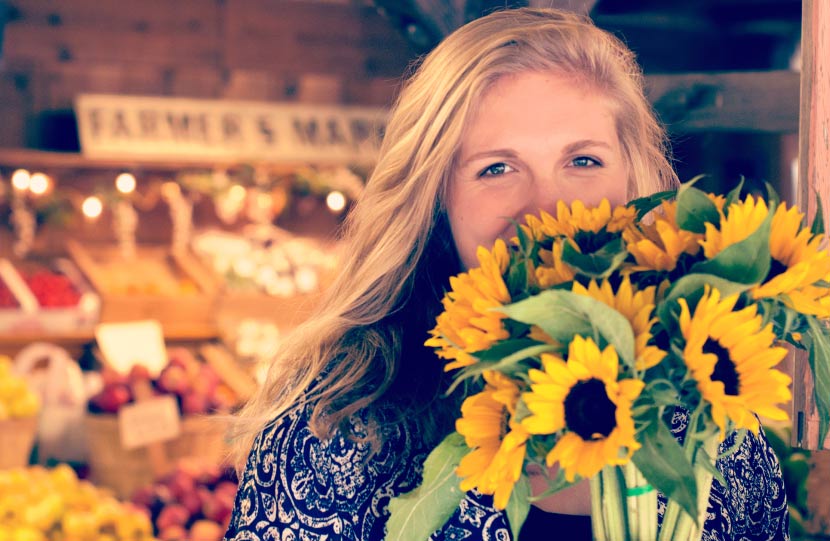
x=337, y=486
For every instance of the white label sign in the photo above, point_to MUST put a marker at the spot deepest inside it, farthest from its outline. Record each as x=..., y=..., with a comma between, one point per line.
x=155, y=128
x=149, y=421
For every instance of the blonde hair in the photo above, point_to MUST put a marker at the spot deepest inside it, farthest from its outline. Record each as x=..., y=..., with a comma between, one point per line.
x=348, y=355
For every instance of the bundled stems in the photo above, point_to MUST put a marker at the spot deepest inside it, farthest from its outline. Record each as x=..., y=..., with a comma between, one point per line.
x=623, y=505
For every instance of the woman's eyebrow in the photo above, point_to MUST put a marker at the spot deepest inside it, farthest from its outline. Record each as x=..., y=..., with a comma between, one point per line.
x=584, y=143
x=500, y=152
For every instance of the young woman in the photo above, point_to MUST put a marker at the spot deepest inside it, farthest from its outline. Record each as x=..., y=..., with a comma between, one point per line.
x=510, y=114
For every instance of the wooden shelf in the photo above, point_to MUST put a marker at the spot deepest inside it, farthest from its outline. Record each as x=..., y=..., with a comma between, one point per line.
x=33, y=159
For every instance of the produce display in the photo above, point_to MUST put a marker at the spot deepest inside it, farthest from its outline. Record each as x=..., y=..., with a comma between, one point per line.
x=38, y=504
x=196, y=386
x=17, y=400
x=143, y=276
x=277, y=264
x=192, y=503
x=52, y=289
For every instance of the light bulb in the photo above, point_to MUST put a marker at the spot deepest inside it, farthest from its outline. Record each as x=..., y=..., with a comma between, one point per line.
x=92, y=207
x=336, y=201
x=125, y=183
x=21, y=179
x=38, y=184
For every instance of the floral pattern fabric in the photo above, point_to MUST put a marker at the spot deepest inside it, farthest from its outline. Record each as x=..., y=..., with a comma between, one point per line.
x=297, y=487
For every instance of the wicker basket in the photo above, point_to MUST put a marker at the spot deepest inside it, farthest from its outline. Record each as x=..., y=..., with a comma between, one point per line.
x=17, y=436
x=124, y=471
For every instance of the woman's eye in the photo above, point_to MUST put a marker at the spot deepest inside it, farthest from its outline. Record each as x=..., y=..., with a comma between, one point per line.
x=495, y=170
x=585, y=161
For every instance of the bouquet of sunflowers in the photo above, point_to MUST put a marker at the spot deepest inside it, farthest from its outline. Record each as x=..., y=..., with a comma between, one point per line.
x=584, y=334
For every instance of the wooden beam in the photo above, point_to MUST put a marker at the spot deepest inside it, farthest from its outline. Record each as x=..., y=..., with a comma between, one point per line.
x=813, y=179
x=764, y=101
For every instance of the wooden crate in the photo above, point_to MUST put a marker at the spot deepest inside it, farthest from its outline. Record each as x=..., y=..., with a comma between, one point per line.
x=128, y=294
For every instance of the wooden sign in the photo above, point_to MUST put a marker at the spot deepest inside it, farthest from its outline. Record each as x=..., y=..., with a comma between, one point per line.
x=149, y=421
x=156, y=128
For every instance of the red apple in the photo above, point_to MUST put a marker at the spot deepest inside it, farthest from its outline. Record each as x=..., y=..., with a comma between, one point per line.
x=181, y=484
x=206, y=530
x=217, y=508
x=172, y=515
x=226, y=487
x=173, y=379
x=209, y=475
x=173, y=533
x=206, y=380
x=194, y=403
x=144, y=496
x=111, y=398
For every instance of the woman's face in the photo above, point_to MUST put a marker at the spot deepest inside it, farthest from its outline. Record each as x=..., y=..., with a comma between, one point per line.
x=537, y=138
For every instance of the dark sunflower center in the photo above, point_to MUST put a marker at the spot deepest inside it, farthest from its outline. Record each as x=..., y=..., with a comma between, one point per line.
x=589, y=242
x=724, y=369
x=775, y=268
x=589, y=411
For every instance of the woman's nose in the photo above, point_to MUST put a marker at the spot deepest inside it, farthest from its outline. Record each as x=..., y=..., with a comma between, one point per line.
x=545, y=194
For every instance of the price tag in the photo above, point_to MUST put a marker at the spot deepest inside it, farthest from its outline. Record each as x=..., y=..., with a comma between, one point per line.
x=136, y=342
x=149, y=421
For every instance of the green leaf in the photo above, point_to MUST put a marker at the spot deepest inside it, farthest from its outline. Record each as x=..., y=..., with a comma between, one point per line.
x=772, y=195
x=598, y=264
x=692, y=285
x=420, y=513
x=518, y=505
x=507, y=364
x=644, y=205
x=820, y=366
x=563, y=314
x=694, y=209
x=734, y=195
x=664, y=464
x=818, y=220
x=747, y=261
x=691, y=288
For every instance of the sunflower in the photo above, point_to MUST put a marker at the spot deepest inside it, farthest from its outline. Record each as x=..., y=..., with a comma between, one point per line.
x=551, y=270
x=658, y=245
x=571, y=220
x=731, y=356
x=637, y=308
x=742, y=219
x=498, y=443
x=468, y=324
x=583, y=397
x=798, y=262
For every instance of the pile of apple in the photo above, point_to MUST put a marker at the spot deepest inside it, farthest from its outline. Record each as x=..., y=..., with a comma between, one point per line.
x=192, y=503
x=39, y=504
x=196, y=386
x=17, y=400
x=51, y=289
x=7, y=298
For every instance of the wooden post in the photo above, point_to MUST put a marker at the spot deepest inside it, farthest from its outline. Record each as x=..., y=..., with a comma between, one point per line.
x=813, y=179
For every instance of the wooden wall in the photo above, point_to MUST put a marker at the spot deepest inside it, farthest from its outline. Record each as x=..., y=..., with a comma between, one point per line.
x=316, y=51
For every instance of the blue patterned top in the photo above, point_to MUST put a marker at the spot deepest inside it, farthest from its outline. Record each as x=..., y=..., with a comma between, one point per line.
x=297, y=487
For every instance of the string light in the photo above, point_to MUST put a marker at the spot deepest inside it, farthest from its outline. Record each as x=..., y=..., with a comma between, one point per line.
x=92, y=207
x=336, y=201
x=237, y=192
x=38, y=184
x=125, y=183
x=21, y=179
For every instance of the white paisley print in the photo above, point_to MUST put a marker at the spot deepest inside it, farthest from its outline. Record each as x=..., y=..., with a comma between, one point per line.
x=297, y=487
